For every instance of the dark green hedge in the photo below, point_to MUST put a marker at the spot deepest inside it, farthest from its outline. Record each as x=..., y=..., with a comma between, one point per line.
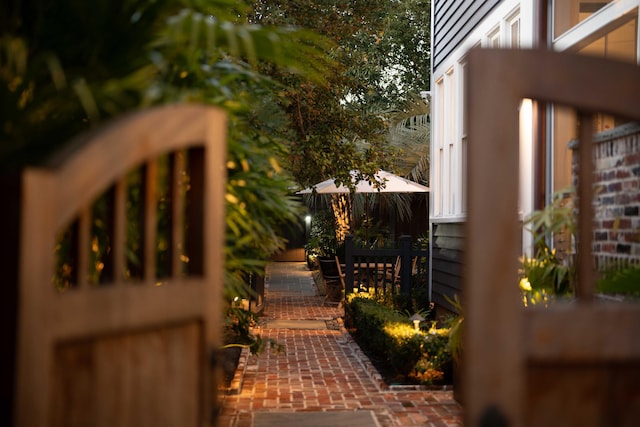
x=421, y=355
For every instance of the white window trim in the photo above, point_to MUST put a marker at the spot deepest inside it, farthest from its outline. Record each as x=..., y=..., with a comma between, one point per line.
x=499, y=19
x=595, y=24
x=601, y=22
x=495, y=32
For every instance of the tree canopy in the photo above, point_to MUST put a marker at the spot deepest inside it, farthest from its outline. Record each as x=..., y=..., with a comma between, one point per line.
x=66, y=66
x=381, y=53
x=308, y=86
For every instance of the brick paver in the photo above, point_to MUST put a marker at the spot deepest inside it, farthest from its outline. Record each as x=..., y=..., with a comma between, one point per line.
x=322, y=369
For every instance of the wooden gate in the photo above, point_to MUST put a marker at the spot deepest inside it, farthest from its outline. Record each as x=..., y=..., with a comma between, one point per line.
x=572, y=364
x=120, y=275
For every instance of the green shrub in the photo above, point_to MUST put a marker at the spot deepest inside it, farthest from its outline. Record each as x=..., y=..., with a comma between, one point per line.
x=417, y=355
x=625, y=281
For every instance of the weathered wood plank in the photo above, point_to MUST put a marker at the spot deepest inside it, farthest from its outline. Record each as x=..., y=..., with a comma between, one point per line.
x=132, y=362
x=570, y=348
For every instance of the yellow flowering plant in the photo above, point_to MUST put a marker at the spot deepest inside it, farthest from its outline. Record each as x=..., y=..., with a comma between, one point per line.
x=548, y=274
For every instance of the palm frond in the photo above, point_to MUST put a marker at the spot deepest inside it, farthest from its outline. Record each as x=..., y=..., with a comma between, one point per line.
x=296, y=50
x=411, y=137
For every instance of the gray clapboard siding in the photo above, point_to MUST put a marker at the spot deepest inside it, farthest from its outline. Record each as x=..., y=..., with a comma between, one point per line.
x=448, y=241
x=453, y=22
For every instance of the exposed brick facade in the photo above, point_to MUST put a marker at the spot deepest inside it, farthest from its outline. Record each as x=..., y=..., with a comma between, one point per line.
x=617, y=195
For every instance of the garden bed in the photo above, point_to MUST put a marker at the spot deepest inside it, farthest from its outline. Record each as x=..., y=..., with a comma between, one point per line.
x=401, y=354
x=393, y=379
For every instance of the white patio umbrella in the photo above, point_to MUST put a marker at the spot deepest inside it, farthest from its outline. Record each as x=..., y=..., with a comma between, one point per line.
x=389, y=183
x=392, y=184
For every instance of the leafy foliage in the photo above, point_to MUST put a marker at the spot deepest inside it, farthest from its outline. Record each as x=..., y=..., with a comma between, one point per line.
x=411, y=355
x=555, y=219
x=625, y=281
x=66, y=66
x=549, y=273
x=341, y=126
x=238, y=324
x=456, y=328
x=322, y=237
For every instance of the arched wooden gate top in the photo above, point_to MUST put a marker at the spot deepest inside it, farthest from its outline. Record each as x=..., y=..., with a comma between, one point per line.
x=503, y=340
x=134, y=346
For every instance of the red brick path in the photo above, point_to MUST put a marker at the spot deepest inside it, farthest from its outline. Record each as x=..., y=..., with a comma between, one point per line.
x=322, y=369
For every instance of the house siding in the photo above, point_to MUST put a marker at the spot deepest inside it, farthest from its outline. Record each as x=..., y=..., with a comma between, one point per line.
x=453, y=21
x=461, y=25
x=446, y=264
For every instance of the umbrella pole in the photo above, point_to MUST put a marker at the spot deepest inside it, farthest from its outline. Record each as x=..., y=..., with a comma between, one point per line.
x=352, y=224
x=366, y=218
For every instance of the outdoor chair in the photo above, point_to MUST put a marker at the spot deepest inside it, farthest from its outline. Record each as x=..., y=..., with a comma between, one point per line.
x=333, y=279
x=392, y=277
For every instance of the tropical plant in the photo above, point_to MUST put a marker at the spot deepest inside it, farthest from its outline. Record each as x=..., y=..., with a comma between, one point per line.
x=554, y=220
x=66, y=66
x=549, y=273
x=456, y=325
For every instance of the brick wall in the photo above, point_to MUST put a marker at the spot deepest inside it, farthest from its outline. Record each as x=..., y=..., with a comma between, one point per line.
x=616, y=195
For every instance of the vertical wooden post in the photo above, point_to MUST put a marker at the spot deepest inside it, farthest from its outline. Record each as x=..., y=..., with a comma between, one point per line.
x=405, y=265
x=348, y=264
x=10, y=194
x=585, y=285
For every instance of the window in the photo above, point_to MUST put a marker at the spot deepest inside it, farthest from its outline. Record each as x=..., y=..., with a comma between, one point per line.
x=493, y=39
x=609, y=35
x=438, y=150
x=463, y=148
x=569, y=13
x=512, y=31
x=620, y=43
x=451, y=142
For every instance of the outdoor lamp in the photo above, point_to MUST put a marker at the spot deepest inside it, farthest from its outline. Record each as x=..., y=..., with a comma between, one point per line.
x=416, y=319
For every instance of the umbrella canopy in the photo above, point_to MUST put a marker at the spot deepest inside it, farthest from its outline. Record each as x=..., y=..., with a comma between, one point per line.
x=392, y=184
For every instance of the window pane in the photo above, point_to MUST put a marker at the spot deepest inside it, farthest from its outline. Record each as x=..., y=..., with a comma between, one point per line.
x=515, y=33
x=620, y=43
x=617, y=44
x=569, y=13
x=565, y=129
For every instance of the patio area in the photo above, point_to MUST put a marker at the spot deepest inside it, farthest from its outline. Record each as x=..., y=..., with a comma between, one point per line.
x=323, y=378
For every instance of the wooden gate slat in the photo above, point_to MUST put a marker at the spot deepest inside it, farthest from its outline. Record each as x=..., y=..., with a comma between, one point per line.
x=510, y=351
x=131, y=352
x=567, y=333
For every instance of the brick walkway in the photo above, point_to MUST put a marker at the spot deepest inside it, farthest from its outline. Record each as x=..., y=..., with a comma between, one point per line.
x=322, y=369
